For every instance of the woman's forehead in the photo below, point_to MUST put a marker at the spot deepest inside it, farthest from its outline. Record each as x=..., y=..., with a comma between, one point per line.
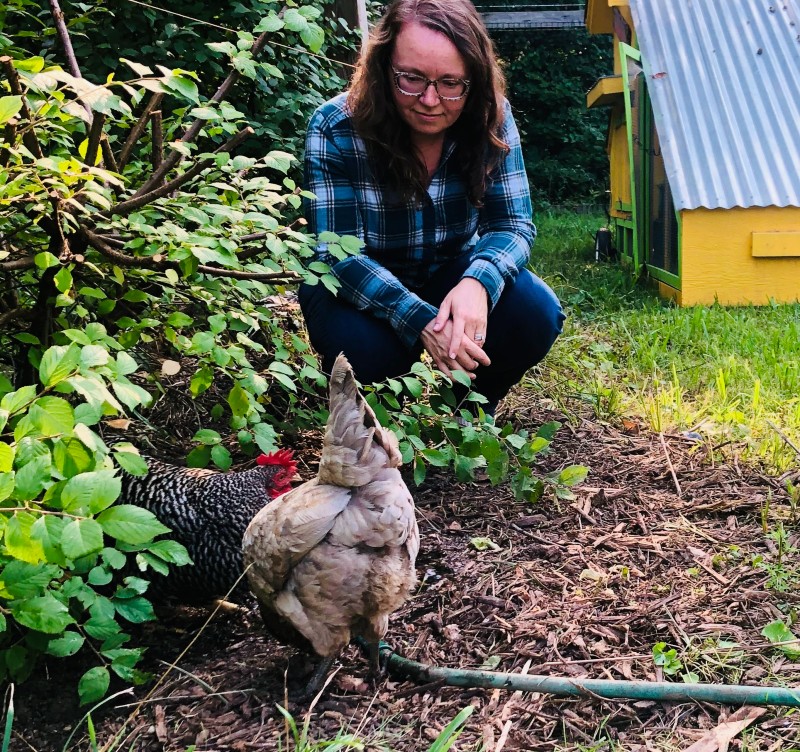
x=426, y=49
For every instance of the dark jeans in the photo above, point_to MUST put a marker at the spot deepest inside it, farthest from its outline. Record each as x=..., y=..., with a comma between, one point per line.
x=522, y=328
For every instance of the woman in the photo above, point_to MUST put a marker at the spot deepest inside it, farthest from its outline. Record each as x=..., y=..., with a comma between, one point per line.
x=421, y=160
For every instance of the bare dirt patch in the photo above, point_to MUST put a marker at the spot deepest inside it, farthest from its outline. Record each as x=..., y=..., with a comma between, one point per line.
x=658, y=547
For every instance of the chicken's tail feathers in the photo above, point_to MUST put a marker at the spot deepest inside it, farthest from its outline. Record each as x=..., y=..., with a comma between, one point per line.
x=356, y=446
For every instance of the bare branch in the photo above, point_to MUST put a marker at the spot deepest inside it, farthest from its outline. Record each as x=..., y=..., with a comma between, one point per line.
x=95, y=134
x=159, y=262
x=26, y=262
x=194, y=129
x=63, y=35
x=16, y=313
x=28, y=135
x=157, y=134
x=139, y=200
x=214, y=271
x=108, y=154
x=138, y=129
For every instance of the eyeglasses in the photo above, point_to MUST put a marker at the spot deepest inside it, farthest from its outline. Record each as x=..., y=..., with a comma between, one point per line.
x=413, y=85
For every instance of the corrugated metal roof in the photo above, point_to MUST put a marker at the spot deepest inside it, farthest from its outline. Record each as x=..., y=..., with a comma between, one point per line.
x=724, y=80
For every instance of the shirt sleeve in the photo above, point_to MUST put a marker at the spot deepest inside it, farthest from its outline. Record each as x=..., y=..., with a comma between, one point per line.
x=505, y=225
x=365, y=283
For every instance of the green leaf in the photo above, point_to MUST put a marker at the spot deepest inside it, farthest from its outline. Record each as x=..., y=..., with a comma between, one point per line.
x=9, y=108
x=313, y=37
x=71, y=457
x=13, y=402
x=32, y=478
x=131, y=524
x=170, y=551
x=129, y=394
x=44, y=614
x=294, y=21
x=135, y=610
x=266, y=437
x=777, y=632
x=179, y=320
x=63, y=647
x=131, y=462
x=201, y=380
x=18, y=539
x=6, y=485
x=484, y=544
x=92, y=492
x=436, y=457
x=573, y=475
x=52, y=416
x=239, y=401
x=81, y=538
x=93, y=684
x=221, y=457
x=207, y=436
x=269, y=23
x=24, y=580
x=6, y=458
x=58, y=363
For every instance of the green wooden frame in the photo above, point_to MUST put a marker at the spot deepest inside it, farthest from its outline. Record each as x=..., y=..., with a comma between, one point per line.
x=625, y=52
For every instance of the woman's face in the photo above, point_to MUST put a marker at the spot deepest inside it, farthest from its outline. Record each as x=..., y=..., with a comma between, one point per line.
x=425, y=52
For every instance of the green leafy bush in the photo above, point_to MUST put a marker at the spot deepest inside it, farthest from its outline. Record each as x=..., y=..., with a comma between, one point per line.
x=63, y=536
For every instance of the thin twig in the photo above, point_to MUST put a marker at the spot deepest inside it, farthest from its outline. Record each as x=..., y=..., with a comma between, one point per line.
x=670, y=466
x=194, y=129
x=138, y=129
x=142, y=199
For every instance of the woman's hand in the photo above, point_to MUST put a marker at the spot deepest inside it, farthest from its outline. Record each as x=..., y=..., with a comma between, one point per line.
x=455, y=338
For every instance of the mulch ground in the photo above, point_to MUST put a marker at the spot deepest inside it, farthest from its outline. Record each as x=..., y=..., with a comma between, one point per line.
x=659, y=546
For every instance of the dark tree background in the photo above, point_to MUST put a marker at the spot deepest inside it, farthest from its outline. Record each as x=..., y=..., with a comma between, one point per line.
x=549, y=72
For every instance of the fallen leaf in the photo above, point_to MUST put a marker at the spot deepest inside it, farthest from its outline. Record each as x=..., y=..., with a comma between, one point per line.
x=170, y=367
x=720, y=737
x=120, y=423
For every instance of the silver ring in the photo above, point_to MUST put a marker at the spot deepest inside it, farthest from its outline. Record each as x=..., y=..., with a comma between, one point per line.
x=478, y=338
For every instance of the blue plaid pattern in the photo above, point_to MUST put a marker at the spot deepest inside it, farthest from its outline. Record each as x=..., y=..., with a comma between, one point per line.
x=405, y=243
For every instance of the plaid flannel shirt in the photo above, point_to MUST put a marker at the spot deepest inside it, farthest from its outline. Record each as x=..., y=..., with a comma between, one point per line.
x=405, y=244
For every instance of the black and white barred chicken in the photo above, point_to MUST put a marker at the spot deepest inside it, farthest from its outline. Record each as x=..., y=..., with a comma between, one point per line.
x=208, y=512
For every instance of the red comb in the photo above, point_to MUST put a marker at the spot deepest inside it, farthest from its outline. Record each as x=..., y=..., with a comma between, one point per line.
x=281, y=457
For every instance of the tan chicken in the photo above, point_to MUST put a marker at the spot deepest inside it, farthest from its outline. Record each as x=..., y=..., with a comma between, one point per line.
x=334, y=557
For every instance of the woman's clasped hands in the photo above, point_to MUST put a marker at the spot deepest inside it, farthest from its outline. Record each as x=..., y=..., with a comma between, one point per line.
x=455, y=338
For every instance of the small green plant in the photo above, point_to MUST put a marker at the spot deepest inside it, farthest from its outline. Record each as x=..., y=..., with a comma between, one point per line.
x=783, y=574
x=666, y=659
x=435, y=429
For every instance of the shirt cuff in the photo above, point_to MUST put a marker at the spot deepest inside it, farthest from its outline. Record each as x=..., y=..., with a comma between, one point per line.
x=413, y=322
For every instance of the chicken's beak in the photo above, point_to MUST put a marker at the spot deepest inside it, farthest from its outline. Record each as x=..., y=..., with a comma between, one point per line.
x=296, y=478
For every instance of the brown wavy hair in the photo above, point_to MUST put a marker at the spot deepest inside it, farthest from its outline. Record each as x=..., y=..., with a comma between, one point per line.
x=476, y=132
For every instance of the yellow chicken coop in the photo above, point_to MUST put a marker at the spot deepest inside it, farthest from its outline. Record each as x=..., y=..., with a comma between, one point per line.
x=704, y=144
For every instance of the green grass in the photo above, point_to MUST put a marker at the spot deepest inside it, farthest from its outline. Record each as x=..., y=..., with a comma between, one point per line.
x=732, y=375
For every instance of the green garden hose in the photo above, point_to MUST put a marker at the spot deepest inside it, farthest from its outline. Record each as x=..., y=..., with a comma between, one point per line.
x=725, y=694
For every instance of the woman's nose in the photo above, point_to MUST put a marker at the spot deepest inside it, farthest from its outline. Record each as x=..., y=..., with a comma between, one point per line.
x=430, y=96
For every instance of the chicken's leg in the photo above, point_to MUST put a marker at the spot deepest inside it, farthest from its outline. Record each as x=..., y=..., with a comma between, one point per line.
x=314, y=682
